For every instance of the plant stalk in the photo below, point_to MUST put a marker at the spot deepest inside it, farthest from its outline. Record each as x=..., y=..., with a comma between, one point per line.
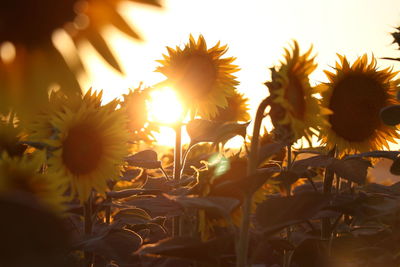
x=243, y=239
x=327, y=188
x=87, y=213
x=177, y=171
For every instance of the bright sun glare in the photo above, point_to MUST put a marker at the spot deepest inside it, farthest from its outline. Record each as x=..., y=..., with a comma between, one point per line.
x=165, y=106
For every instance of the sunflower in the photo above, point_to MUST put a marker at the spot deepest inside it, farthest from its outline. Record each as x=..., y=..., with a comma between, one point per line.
x=91, y=146
x=23, y=175
x=31, y=61
x=202, y=78
x=293, y=108
x=237, y=109
x=356, y=94
x=135, y=105
x=210, y=180
x=39, y=127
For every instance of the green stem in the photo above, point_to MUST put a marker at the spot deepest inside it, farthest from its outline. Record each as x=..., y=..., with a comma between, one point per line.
x=328, y=181
x=243, y=240
x=177, y=171
x=178, y=152
x=288, y=254
x=108, y=209
x=87, y=213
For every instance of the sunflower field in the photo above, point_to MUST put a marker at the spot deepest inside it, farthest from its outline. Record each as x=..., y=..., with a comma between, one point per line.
x=84, y=183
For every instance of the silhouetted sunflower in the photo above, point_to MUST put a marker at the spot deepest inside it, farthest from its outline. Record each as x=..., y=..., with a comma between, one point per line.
x=203, y=79
x=135, y=105
x=293, y=106
x=22, y=175
x=91, y=145
x=237, y=109
x=30, y=62
x=356, y=94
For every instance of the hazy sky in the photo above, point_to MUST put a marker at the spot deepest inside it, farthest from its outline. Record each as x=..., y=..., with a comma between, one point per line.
x=256, y=32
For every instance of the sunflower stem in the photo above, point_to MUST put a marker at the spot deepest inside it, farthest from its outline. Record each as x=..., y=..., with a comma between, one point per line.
x=327, y=188
x=243, y=239
x=108, y=209
x=87, y=213
x=177, y=171
x=288, y=254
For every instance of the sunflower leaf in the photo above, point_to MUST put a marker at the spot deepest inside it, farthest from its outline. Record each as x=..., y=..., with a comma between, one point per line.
x=191, y=248
x=116, y=244
x=144, y=159
x=277, y=213
x=220, y=206
x=200, y=130
x=353, y=169
x=132, y=216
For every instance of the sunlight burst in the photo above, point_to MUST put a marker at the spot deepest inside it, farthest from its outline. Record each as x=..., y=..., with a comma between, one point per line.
x=165, y=107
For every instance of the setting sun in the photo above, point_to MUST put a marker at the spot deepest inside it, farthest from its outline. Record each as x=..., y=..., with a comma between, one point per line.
x=165, y=107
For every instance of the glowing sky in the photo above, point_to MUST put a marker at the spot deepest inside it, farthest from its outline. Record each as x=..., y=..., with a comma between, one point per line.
x=256, y=32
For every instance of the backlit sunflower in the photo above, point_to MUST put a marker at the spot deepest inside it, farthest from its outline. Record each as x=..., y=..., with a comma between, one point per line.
x=236, y=110
x=23, y=175
x=293, y=108
x=135, y=105
x=203, y=79
x=30, y=58
x=39, y=127
x=356, y=94
x=91, y=145
x=215, y=174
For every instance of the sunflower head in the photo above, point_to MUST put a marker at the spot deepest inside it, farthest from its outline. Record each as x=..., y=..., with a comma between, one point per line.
x=236, y=110
x=23, y=175
x=135, y=105
x=295, y=112
x=200, y=75
x=356, y=94
x=39, y=127
x=91, y=143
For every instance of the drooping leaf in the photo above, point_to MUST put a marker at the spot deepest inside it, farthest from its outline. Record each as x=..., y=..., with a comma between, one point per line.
x=132, y=192
x=268, y=151
x=376, y=154
x=116, y=244
x=200, y=130
x=144, y=159
x=353, y=169
x=191, y=248
x=132, y=216
x=156, y=206
x=219, y=206
x=279, y=212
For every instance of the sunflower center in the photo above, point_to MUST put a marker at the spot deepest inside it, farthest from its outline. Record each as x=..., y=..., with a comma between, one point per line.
x=197, y=76
x=30, y=22
x=356, y=101
x=82, y=149
x=294, y=94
